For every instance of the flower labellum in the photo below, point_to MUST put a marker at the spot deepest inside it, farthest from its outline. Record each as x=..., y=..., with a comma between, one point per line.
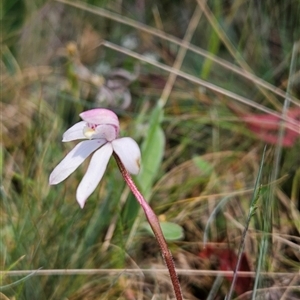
x=100, y=129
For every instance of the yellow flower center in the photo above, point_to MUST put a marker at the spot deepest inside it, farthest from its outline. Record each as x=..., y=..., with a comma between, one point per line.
x=88, y=132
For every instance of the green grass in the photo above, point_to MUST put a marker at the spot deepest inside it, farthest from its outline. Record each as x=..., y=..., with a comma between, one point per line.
x=197, y=152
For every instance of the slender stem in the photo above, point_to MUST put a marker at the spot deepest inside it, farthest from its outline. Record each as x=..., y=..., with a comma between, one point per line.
x=154, y=223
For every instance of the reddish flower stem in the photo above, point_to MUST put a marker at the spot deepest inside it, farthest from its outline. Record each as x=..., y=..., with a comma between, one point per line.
x=154, y=223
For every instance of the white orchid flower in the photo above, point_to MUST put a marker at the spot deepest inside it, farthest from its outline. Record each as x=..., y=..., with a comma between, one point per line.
x=101, y=127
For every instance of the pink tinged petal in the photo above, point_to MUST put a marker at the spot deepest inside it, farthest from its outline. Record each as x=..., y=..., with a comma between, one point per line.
x=94, y=173
x=129, y=152
x=101, y=116
x=73, y=160
x=75, y=132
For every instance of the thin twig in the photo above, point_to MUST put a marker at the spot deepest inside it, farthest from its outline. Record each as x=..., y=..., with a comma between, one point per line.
x=186, y=272
x=158, y=33
x=290, y=122
x=181, y=54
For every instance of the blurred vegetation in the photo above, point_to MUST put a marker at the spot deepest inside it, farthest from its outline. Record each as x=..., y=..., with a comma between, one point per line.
x=200, y=155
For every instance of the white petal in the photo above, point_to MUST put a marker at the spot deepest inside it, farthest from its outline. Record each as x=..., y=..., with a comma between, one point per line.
x=75, y=132
x=129, y=152
x=73, y=160
x=94, y=173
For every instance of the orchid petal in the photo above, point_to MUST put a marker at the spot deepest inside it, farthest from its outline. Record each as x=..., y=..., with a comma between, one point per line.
x=73, y=160
x=101, y=116
x=75, y=132
x=94, y=173
x=129, y=153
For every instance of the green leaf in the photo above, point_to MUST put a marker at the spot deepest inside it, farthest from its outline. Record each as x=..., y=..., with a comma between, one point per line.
x=171, y=231
x=152, y=152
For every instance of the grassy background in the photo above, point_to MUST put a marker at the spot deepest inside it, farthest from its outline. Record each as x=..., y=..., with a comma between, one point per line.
x=200, y=159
